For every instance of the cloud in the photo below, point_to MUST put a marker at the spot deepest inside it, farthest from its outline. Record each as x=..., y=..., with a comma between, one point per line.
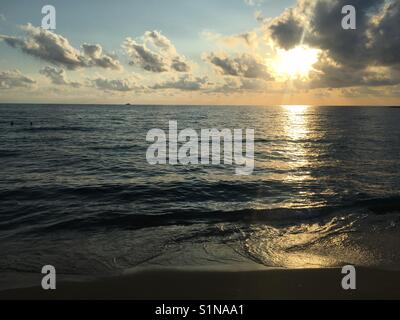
x=384, y=32
x=184, y=83
x=55, y=49
x=329, y=74
x=245, y=65
x=121, y=85
x=253, y=3
x=361, y=92
x=287, y=30
x=348, y=54
x=249, y=39
x=14, y=79
x=58, y=77
x=47, y=46
x=258, y=15
x=155, y=53
x=143, y=57
x=159, y=40
x=235, y=85
x=97, y=58
x=227, y=86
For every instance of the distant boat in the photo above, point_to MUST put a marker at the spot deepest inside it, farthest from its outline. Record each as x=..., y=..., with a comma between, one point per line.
x=128, y=104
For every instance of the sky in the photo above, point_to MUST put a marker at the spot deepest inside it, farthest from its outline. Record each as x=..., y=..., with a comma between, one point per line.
x=250, y=52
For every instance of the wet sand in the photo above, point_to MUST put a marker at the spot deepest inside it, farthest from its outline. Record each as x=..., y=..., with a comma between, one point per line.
x=222, y=284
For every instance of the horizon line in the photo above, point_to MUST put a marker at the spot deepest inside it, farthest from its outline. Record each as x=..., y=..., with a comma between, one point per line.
x=195, y=105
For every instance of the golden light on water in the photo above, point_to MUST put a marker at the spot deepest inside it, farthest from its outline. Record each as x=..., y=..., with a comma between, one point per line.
x=296, y=125
x=299, y=246
x=298, y=159
x=295, y=63
x=295, y=108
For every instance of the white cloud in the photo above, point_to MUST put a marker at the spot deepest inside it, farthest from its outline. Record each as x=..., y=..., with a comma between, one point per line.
x=184, y=83
x=58, y=76
x=236, y=85
x=245, y=65
x=121, y=85
x=253, y=2
x=14, y=79
x=155, y=53
x=249, y=39
x=56, y=49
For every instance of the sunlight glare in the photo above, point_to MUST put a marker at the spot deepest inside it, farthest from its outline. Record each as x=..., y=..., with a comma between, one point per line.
x=295, y=63
x=295, y=108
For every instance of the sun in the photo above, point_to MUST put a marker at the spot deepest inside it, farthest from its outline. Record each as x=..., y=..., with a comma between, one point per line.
x=294, y=63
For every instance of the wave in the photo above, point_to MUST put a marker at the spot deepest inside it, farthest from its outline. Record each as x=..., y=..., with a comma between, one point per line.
x=63, y=129
x=9, y=153
x=292, y=238
x=173, y=191
x=109, y=219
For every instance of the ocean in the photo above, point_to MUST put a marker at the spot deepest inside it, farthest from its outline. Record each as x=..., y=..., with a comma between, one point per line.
x=76, y=191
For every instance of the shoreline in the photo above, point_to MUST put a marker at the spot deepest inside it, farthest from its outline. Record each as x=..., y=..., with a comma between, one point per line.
x=192, y=284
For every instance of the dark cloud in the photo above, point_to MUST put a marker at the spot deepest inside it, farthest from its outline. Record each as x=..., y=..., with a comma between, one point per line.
x=155, y=53
x=348, y=54
x=385, y=32
x=58, y=76
x=244, y=65
x=14, y=79
x=344, y=46
x=56, y=49
x=287, y=30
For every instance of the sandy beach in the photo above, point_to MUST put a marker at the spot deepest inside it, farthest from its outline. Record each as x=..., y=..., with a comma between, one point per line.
x=222, y=284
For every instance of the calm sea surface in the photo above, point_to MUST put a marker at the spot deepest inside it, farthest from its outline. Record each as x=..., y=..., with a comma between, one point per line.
x=77, y=192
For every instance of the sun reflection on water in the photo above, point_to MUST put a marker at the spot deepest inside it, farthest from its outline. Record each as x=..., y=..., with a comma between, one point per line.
x=296, y=124
x=296, y=132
